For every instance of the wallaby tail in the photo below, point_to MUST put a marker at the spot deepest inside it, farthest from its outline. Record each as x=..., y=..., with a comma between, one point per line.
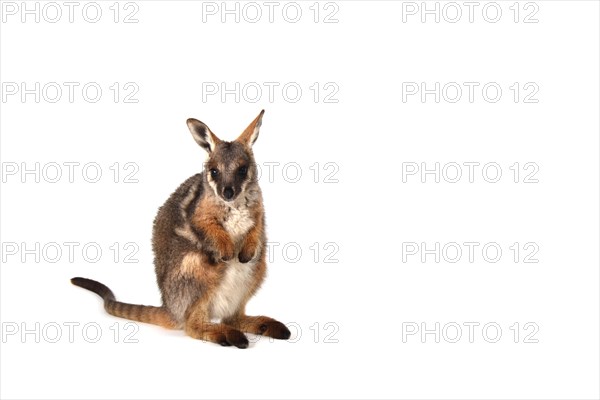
x=149, y=314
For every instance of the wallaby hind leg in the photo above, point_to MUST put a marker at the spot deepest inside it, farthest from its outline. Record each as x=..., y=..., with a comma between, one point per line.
x=259, y=325
x=198, y=326
x=217, y=333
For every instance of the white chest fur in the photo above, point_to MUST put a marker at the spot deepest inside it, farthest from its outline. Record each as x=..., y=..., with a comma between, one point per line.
x=238, y=222
x=233, y=288
x=238, y=278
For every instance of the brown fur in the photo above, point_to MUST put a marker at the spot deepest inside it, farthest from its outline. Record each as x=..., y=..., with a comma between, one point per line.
x=252, y=241
x=208, y=217
x=209, y=246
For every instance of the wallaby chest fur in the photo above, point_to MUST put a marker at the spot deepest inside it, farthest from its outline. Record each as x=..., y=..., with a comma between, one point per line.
x=238, y=278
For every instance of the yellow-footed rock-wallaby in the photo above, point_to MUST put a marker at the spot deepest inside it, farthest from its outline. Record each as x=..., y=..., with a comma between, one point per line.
x=209, y=247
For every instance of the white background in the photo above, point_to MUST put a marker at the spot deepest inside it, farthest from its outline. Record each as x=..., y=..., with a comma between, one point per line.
x=370, y=295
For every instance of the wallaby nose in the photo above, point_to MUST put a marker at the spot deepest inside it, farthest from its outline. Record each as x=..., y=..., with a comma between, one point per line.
x=228, y=193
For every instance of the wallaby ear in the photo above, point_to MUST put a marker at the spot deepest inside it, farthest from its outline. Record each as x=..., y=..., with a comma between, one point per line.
x=202, y=134
x=250, y=134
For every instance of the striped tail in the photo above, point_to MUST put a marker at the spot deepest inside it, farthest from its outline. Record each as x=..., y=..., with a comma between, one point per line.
x=149, y=314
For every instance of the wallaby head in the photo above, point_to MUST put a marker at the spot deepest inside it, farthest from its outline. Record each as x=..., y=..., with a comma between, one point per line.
x=230, y=166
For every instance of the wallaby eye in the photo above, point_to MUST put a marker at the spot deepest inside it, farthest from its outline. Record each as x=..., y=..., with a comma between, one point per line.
x=214, y=172
x=242, y=171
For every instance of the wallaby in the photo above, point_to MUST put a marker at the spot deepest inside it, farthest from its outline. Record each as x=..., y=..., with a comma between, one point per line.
x=209, y=248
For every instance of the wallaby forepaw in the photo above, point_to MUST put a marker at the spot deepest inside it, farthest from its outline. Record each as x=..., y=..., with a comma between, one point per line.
x=226, y=256
x=247, y=252
x=245, y=256
x=226, y=251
